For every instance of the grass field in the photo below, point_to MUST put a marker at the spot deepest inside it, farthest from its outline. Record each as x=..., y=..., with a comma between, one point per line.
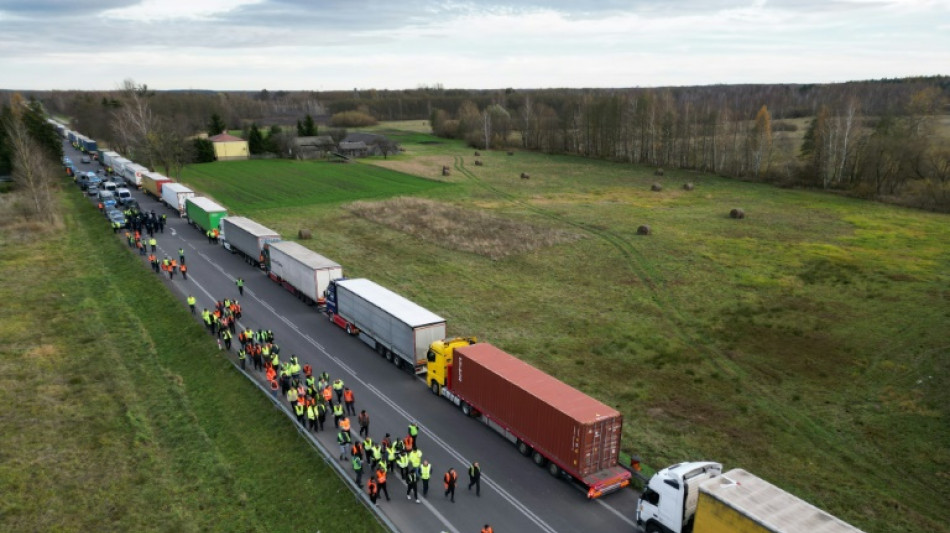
x=119, y=415
x=806, y=343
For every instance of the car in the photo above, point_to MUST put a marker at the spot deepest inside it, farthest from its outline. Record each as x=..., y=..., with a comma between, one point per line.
x=124, y=195
x=117, y=216
x=85, y=159
x=107, y=198
x=92, y=190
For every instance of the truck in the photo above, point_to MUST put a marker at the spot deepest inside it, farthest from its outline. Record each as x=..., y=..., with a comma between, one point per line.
x=204, y=213
x=303, y=272
x=246, y=237
x=697, y=497
x=152, y=184
x=107, y=157
x=395, y=327
x=89, y=145
x=572, y=435
x=133, y=172
x=174, y=195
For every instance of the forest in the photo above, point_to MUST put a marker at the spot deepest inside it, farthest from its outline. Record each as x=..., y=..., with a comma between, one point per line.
x=886, y=140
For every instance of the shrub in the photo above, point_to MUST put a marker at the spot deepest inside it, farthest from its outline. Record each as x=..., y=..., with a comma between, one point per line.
x=352, y=119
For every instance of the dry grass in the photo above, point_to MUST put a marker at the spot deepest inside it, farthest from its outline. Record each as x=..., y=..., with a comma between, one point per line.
x=466, y=230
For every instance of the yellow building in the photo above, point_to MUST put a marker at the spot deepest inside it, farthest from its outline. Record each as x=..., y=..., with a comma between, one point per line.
x=229, y=148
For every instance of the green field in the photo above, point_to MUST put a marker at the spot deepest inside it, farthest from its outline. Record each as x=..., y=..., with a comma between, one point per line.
x=120, y=415
x=807, y=343
x=247, y=187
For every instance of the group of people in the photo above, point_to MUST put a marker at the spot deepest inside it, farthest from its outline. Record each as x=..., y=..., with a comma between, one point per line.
x=312, y=399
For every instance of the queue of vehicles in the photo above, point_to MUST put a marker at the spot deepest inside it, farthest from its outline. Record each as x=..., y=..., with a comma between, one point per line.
x=572, y=435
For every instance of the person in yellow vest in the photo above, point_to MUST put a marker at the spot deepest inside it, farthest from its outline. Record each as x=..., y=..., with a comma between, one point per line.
x=312, y=416
x=415, y=459
x=425, y=473
x=403, y=463
x=191, y=303
x=298, y=410
x=337, y=415
x=338, y=389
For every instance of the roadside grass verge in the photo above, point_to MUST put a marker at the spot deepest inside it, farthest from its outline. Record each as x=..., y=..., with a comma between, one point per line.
x=119, y=415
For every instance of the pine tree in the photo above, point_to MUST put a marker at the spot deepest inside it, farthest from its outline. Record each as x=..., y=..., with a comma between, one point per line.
x=255, y=141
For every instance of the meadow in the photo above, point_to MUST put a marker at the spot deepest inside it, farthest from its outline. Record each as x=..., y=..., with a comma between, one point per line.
x=119, y=413
x=806, y=343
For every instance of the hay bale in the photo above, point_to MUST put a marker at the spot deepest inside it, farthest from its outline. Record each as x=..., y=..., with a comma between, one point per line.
x=478, y=163
x=525, y=176
x=477, y=153
x=687, y=186
x=656, y=187
x=445, y=171
x=658, y=172
x=644, y=230
x=304, y=234
x=737, y=213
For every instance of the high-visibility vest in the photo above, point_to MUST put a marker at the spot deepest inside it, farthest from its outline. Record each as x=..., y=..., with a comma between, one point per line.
x=348, y=396
x=342, y=437
x=292, y=395
x=413, y=431
x=337, y=410
x=371, y=487
x=377, y=453
x=450, y=478
x=357, y=463
x=381, y=475
x=356, y=449
x=338, y=385
x=412, y=478
x=488, y=529
x=298, y=409
x=425, y=471
x=345, y=424
x=327, y=394
x=391, y=453
x=415, y=457
x=403, y=461
x=192, y=300
x=407, y=442
x=368, y=442
x=311, y=415
x=242, y=354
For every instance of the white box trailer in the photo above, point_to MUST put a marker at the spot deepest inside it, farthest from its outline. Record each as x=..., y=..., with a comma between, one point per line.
x=133, y=172
x=107, y=157
x=174, y=195
x=300, y=270
x=246, y=237
x=394, y=326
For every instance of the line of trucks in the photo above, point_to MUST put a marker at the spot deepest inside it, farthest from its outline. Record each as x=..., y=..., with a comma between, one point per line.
x=572, y=435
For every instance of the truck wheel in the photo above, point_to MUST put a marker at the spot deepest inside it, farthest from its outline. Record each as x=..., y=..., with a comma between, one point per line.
x=538, y=458
x=554, y=470
x=389, y=355
x=466, y=409
x=349, y=329
x=653, y=528
x=524, y=448
x=435, y=388
x=330, y=316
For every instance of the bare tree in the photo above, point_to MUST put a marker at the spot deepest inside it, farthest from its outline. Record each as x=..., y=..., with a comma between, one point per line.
x=32, y=168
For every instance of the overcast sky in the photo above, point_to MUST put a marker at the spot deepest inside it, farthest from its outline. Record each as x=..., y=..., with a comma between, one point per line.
x=400, y=44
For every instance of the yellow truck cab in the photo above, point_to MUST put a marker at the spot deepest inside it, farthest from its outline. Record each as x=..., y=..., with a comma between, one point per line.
x=439, y=358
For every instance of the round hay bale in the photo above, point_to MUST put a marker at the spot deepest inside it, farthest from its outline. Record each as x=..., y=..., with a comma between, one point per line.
x=478, y=163
x=658, y=172
x=525, y=176
x=687, y=186
x=478, y=154
x=304, y=234
x=644, y=230
x=445, y=171
x=737, y=213
x=656, y=187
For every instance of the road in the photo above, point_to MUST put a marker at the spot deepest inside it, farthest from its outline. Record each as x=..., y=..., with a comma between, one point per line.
x=516, y=495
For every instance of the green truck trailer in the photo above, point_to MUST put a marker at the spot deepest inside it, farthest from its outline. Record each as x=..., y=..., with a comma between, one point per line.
x=204, y=213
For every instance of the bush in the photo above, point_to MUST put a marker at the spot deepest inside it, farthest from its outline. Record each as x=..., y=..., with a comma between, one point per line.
x=352, y=119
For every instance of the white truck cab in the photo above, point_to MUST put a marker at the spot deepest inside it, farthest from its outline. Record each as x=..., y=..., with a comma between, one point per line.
x=668, y=503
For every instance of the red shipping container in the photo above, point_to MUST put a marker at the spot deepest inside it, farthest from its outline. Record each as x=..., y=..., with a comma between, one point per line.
x=575, y=431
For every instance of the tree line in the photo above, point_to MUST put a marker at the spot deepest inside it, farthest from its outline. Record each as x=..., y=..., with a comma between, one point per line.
x=31, y=151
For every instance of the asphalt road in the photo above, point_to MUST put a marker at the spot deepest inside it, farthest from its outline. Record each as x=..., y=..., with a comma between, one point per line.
x=516, y=495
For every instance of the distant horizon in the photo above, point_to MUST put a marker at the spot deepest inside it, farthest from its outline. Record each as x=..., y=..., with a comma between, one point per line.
x=555, y=44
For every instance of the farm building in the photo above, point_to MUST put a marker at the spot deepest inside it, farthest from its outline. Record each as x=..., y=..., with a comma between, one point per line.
x=229, y=148
x=353, y=148
x=375, y=144
x=315, y=147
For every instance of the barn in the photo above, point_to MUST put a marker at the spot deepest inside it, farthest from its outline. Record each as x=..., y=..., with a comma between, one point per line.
x=229, y=148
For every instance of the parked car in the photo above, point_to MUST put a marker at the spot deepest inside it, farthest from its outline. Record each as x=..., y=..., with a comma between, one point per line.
x=117, y=216
x=107, y=198
x=92, y=189
x=124, y=195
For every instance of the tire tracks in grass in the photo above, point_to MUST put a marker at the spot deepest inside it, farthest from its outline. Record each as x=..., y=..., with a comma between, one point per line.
x=673, y=317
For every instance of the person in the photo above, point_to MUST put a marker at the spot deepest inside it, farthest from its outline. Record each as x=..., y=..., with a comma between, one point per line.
x=425, y=472
x=181, y=256
x=358, y=469
x=373, y=490
x=414, y=432
x=475, y=478
x=337, y=415
x=174, y=267
x=191, y=301
x=338, y=389
x=487, y=529
x=184, y=271
x=312, y=415
x=412, y=483
x=226, y=337
x=415, y=459
x=153, y=243
x=321, y=414
x=450, y=478
x=242, y=357
x=299, y=411
x=349, y=401
x=343, y=439
x=240, y=285
x=381, y=480
x=377, y=455
x=403, y=463
x=363, y=420
x=345, y=424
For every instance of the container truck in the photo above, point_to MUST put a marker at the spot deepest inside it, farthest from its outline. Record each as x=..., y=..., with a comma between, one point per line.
x=246, y=237
x=697, y=497
x=302, y=271
x=562, y=429
x=204, y=213
x=107, y=157
x=89, y=145
x=152, y=184
x=133, y=172
x=174, y=195
x=395, y=327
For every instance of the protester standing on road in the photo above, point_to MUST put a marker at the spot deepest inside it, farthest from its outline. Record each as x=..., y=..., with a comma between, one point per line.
x=425, y=472
x=240, y=285
x=338, y=389
x=181, y=255
x=381, y=480
x=343, y=439
x=414, y=433
x=349, y=401
x=487, y=529
x=373, y=490
x=475, y=478
x=412, y=482
x=184, y=271
x=363, y=420
x=451, y=479
x=191, y=303
x=153, y=243
x=358, y=469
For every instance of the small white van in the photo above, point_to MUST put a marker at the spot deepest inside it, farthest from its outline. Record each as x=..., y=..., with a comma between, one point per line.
x=124, y=195
x=109, y=186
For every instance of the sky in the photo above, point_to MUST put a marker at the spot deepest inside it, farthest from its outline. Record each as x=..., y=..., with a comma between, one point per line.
x=404, y=44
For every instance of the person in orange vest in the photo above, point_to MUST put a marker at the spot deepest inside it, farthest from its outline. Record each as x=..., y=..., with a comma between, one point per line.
x=328, y=395
x=487, y=529
x=373, y=490
x=173, y=265
x=381, y=480
x=184, y=271
x=356, y=449
x=451, y=479
x=345, y=424
x=101, y=207
x=407, y=443
x=349, y=400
